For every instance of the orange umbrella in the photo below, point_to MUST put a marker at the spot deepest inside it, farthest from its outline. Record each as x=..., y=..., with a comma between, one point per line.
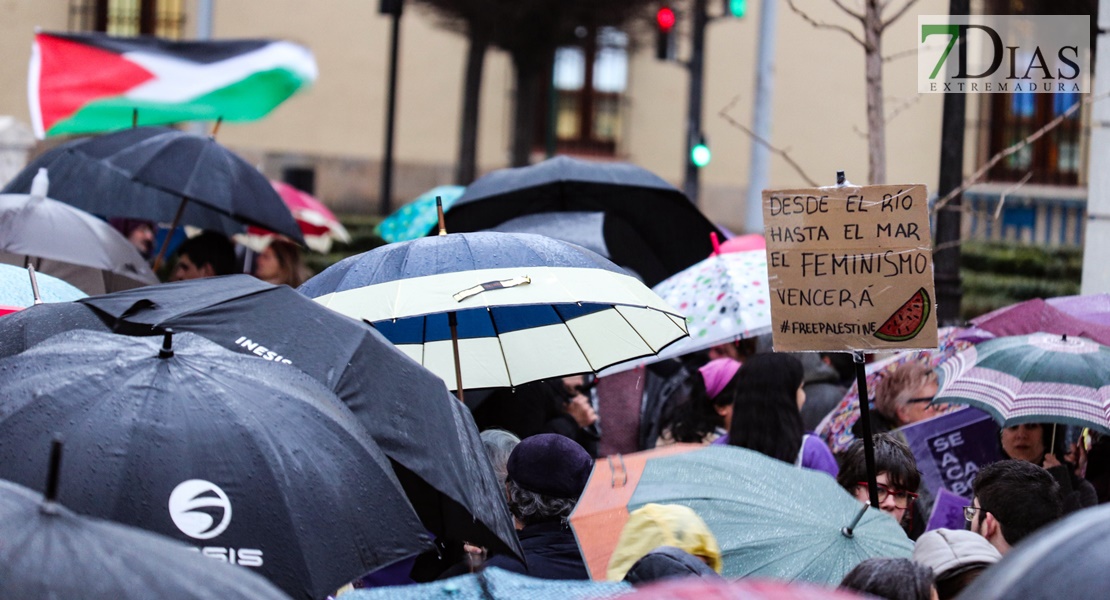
x=602, y=511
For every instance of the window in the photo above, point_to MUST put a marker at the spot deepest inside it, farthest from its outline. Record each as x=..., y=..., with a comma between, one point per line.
x=587, y=87
x=162, y=18
x=1055, y=158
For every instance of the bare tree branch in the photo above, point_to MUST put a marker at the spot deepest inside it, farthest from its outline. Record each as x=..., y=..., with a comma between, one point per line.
x=994, y=160
x=783, y=153
x=899, y=109
x=844, y=8
x=902, y=54
x=898, y=14
x=1009, y=190
x=822, y=25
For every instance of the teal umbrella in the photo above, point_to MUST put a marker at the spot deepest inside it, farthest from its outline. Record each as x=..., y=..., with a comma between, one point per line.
x=771, y=519
x=416, y=219
x=1035, y=378
x=494, y=584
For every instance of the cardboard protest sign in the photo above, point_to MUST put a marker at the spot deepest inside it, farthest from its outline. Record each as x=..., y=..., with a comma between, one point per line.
x=952, y=448
x=850, y=268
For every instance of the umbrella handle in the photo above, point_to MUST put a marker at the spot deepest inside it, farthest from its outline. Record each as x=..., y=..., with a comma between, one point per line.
x=169, y=234
x=34, y=283
x=848, y=531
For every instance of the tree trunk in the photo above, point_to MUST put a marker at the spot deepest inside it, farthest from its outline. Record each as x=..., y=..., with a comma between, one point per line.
x=466, y=167
x=876, y=123
x=527, y=70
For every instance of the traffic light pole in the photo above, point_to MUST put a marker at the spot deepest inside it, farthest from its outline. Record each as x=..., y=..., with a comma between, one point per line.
x=385, y=193
x=693, y=111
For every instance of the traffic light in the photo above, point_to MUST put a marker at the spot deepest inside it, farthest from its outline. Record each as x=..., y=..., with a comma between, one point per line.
x=699, y=152
x=736, y=8
x=664, y=33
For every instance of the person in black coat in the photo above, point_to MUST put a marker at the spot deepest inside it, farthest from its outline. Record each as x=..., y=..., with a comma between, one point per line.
x=546, y=475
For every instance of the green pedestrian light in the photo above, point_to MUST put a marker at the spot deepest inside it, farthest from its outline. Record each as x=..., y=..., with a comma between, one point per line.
x=736, y=8
x=700, y=154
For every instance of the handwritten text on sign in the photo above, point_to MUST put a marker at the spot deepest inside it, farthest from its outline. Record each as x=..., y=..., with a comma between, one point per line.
x=850, y=268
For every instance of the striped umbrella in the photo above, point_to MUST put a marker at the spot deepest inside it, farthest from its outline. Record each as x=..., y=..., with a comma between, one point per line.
x=494, y=309
x=1035, y=378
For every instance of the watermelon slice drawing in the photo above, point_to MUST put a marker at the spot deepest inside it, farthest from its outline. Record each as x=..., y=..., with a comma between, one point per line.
x=908, y=320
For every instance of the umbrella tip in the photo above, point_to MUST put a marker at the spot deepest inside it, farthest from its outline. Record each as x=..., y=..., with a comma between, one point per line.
x=716, y=243
x=40, y=185
x=848, y=531
x=53, y=473
x=439, y=212
x=167, y=345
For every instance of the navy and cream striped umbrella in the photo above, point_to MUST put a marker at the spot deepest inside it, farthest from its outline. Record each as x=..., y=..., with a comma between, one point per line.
x=525, y=307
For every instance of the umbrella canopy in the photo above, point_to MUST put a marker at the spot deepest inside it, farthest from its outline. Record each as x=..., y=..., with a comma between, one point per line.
x=50, y=552
x=745, y=589
x=417, y=218
x=68, y=243
x=724, y=297
x=1092, y=308
x=1036, y=378
x=770, y=518
x=494, y=584
x=253, y=462
x=318, y=224
x=16, y=290
x=605, y=234
x=1070, y=558
x=527, y=307
x=80, y=179
x=836, y=427
x=674, y=232
x=197, y=169
x=1037, y=315
x=430, y=438
x=744, y=243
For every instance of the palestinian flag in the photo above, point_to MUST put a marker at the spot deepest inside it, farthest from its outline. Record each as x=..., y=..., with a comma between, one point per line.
x=85, y=83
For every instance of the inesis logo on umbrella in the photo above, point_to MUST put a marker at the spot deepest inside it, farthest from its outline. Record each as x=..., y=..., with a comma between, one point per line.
x=202, y=511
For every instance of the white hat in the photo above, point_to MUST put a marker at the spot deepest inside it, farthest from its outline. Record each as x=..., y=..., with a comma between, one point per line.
x=949, y=552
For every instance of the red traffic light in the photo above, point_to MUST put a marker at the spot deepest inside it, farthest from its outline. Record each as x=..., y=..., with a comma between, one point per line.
x=665, y=19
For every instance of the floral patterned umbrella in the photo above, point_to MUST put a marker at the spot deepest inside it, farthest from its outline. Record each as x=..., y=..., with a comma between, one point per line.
x=724, y=297
x=836, y=428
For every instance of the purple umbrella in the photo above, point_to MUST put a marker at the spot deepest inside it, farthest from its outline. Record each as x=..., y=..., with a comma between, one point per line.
x=1082, y=317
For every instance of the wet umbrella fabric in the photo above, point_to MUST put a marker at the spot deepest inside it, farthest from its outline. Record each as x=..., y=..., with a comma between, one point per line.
x=770, y=518
x=1070, y=558
x=1036, y=378
x=211, y=448
x=50, y=552
x=318, y=224
x=1047, y=316
x=198, y=169
x=528, y=307
x=495, y=584
x=673, y=229
x=16, y=290
x=68, y=243
x=418, y=218
x=428, y=435
x=604, y=234
x=80, y=179
x=696, y=588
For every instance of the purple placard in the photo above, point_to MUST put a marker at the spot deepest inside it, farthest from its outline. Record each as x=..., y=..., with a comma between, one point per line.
x=948, y=512
x=951, y=448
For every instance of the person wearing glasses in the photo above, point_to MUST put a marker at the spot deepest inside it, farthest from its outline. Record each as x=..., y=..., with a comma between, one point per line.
x=903, y=396
x=897, y=476
x=1012, y=499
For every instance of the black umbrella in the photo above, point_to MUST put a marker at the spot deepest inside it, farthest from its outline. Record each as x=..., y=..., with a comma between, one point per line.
x=429, y=436
x=251, y=462
x=50, y=552
x=673, y=232
x=80, y=179
x=1070, y=559
x=594, y=231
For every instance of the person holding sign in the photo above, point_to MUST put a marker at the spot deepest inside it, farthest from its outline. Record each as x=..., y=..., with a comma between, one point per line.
x=767, y=417
x=897, y=478
x=1030, y=442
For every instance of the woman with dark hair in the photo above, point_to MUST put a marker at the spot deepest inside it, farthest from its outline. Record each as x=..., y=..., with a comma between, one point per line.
x=281, y=263
x=1033, y=442
x=707, y=414
x=891, y=578
x=766, y=415
x=896, y=475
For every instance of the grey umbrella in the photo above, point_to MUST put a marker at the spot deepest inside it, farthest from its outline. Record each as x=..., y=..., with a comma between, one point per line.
x=68, y=243
x=50, y=552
